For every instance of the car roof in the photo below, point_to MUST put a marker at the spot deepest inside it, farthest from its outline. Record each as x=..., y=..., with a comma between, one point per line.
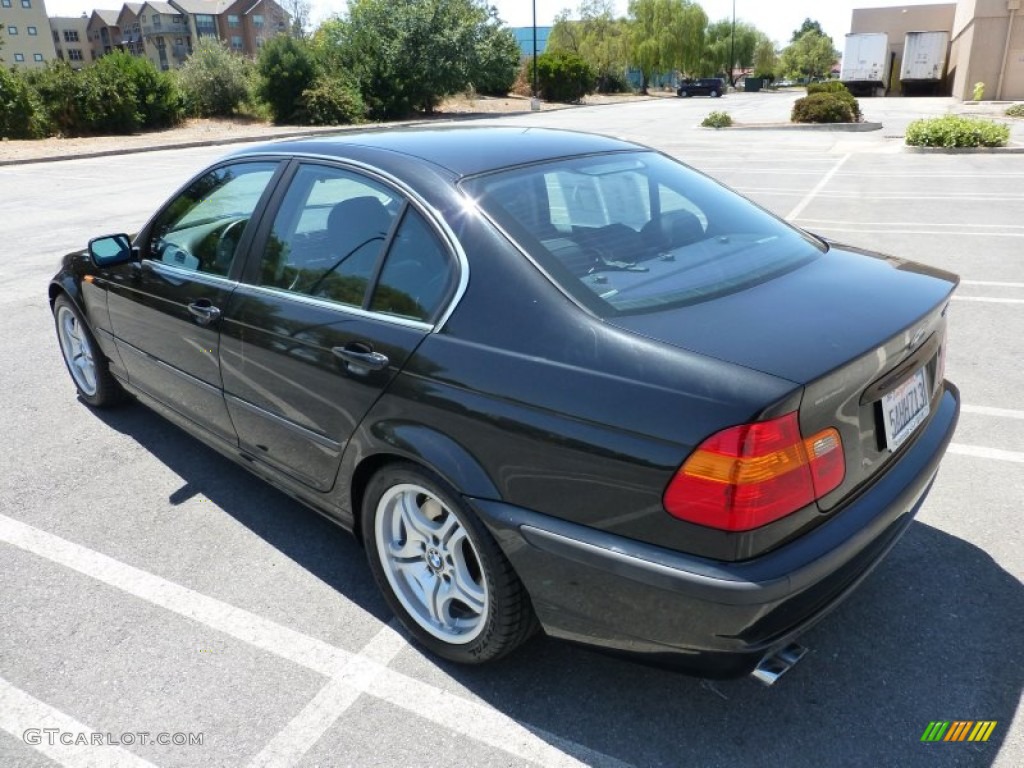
x=461, y=150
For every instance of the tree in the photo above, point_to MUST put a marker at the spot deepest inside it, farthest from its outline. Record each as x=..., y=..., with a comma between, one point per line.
x=809, y=25
x=496, y=59
x=298, y=15
x=286, y=69
x=811, y=56
x=766, y=61
x=665, y=35
x=598, y=38
x=214, y=79
x=406, y=55
x=720, y=44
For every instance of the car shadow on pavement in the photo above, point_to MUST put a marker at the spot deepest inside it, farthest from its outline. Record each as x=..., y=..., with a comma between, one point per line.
x=935, y=633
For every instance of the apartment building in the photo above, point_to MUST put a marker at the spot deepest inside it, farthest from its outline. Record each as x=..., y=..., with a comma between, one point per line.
x=71, y=39
x=104, y=33
x=25, y=31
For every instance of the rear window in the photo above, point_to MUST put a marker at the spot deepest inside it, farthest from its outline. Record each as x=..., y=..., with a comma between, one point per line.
x=635, y=232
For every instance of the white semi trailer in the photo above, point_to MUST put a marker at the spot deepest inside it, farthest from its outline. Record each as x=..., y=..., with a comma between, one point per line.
x=865, y=66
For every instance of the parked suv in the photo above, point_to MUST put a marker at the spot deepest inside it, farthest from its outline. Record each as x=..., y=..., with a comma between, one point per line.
x=705, y=86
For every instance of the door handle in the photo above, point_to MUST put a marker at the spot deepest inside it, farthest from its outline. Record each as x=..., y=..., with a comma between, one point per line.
x=203, y=311
x=362, y=355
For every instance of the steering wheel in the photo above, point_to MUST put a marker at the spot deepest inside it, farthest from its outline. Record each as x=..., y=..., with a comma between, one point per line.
x=227, y=243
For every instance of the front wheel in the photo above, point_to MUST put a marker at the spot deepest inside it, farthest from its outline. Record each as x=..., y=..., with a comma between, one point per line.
x=715, y=94
x=82, y=356
x=440, y=570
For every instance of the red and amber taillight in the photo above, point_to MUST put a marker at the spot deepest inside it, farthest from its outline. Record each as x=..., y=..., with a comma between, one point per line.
x=747, y=476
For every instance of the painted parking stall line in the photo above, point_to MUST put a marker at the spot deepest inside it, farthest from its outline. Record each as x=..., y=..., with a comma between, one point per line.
x=984, y=410
x=817, y=189
x=41, y=726
x=983, y=452
x=349, y=674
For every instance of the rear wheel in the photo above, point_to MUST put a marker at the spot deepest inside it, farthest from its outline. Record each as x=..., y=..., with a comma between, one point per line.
x=715, y=94
x=439, y=568
x=82, y=356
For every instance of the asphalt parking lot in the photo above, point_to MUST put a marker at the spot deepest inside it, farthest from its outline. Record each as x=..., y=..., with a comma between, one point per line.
x=153, y=588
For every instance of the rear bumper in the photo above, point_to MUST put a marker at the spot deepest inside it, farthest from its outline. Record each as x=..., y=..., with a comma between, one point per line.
x=713, y=618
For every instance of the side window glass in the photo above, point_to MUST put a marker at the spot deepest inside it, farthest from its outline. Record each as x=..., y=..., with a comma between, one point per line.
x=417, y=274
x=200, y=230
x=328, y=235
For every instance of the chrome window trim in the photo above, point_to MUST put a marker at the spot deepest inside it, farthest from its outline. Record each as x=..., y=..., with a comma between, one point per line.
x=333, y=305
x=209, y=278
x=432, y=216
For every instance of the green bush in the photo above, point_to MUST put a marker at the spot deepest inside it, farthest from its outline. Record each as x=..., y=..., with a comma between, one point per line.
x=1017, y=110
x=829, y=86
x=826, y=108
x=496, y=62
x=564, y=77
x=956, y=131
x=717, y=120
x=214, y=80
x=156, y=99
x=286, y=70
x=332, y=100
x=18, y=118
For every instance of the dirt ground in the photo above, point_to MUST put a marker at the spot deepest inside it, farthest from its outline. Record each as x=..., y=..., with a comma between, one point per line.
x=208, y=131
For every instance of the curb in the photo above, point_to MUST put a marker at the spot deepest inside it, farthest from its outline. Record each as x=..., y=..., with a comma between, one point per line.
x=848, y=127
x=1014, y=150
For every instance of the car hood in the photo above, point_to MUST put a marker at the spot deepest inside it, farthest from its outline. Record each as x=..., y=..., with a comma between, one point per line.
x=805, y=323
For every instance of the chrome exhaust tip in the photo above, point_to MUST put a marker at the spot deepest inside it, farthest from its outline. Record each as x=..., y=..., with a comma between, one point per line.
x=775, y=665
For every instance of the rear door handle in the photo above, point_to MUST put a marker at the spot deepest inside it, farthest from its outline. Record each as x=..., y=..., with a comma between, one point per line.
x=203, y=311
x=362, y=355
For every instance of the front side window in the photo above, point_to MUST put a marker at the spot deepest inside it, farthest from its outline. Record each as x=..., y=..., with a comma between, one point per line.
x=636, y=232
x=201, y=228
x=328, y=235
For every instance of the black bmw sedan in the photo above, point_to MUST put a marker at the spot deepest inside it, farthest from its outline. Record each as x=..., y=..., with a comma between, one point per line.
x=551, y=380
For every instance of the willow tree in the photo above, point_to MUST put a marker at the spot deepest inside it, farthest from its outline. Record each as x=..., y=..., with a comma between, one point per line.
x=665, y=35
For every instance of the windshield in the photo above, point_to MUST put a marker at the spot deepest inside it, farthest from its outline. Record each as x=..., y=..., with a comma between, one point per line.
x=634, y=232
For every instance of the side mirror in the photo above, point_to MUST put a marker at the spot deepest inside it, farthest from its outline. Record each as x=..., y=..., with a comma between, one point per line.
x=109, y=250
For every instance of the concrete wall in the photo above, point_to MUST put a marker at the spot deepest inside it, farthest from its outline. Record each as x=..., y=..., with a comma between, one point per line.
x=979, y=44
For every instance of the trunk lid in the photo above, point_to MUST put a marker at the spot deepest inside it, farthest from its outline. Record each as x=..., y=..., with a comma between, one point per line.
x=849, y=327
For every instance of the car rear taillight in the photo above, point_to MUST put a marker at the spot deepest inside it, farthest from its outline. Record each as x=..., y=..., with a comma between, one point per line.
x=747, y=476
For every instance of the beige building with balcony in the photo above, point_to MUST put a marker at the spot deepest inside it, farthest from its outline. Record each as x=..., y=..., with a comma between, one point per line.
x=71, y=39
x=104, y=34
x=25, y=31
x=986, y=42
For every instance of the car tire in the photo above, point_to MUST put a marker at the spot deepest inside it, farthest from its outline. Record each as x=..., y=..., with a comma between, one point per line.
x=714, y=94
x=82, y=355
x=439, y=568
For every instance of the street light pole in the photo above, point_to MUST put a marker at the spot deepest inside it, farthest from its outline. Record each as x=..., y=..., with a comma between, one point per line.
x=732, y=43
x=535, y=49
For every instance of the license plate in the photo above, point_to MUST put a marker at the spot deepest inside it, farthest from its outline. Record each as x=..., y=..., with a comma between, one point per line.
x=903, y=409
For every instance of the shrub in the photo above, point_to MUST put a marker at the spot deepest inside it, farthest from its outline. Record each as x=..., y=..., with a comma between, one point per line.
x=1017, y=110
x=18, y=119
x=829, y=86
x=156, y=99
x=564, y=77
x=214, y=81
x=979, y=92
x=332, y=101
x=836, y=107
x=496, y=62
x=956, y=131
x=286, y=71
x=717, y=120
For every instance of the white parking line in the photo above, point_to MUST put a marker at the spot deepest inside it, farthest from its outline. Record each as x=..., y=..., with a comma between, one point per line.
x=988, y=300
x=326, y=708
x=992, y=283
x=981, y=452
x=809, y=197
x=352, y=672
x=984, y=410
x=21, y=714
x=959, y=224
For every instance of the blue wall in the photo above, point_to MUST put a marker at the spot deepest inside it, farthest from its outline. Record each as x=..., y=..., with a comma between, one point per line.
x=524, y=35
